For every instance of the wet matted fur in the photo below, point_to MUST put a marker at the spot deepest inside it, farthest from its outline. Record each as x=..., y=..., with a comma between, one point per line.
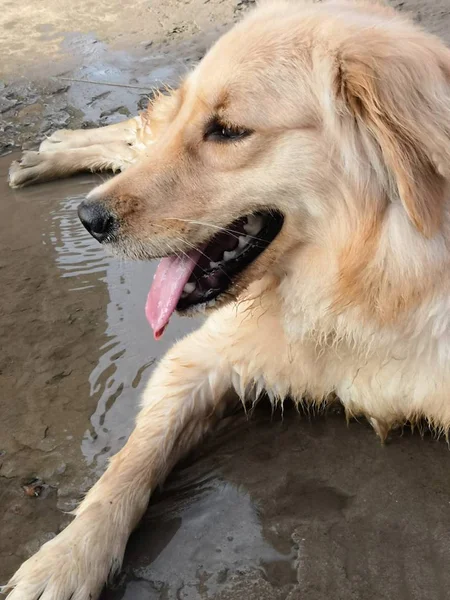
x=346, y=113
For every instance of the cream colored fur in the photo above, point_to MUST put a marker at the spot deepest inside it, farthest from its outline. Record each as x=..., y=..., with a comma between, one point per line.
x=66, y=152
x=350, y=108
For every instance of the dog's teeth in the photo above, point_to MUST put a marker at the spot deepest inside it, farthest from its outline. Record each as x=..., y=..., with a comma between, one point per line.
x=213, y=265
x=254, y=224
x=229, y=255
x=189, y=287
x=243, y=240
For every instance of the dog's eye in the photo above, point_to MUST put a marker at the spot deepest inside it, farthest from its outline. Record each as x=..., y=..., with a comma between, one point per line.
x=220, y=132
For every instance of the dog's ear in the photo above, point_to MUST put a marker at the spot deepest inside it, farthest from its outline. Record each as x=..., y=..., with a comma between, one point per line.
x=397, y=91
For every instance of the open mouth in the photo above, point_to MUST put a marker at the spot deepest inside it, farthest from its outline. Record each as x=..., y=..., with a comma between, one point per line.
x=199, y=277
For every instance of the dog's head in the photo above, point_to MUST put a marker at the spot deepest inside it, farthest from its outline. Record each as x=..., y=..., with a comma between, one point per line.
x=302, y=122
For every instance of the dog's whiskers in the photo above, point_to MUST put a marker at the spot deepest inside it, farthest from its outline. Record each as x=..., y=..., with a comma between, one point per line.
x=203, y=254
x=218, y=227
x=191, y=245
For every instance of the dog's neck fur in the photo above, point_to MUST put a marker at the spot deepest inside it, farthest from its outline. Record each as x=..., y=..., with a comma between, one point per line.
x=358, y=291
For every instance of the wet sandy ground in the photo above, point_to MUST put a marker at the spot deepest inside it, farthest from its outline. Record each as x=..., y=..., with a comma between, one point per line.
x=267, y=508
x=50, y=48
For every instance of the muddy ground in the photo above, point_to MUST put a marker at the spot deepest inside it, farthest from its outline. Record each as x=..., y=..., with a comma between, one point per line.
x=304, y=507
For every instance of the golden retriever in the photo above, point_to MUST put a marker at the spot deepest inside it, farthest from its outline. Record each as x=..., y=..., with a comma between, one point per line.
x=297, y=187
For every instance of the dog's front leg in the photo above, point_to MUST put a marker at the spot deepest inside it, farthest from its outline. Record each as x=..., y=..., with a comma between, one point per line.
x=183, y=399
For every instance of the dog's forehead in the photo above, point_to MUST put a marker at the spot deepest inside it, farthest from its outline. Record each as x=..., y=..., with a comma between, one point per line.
x=243, y=71
x=250, y=53
x=279, y=42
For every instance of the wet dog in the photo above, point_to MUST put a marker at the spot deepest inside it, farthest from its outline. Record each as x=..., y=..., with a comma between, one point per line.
x=296, y=187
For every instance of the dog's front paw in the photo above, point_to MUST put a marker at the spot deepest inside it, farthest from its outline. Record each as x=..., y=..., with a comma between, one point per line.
x=29, y=169
x=35, y=167
x=74, y=565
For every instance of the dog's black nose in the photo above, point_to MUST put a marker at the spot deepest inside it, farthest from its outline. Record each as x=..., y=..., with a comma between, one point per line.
x=97, y=220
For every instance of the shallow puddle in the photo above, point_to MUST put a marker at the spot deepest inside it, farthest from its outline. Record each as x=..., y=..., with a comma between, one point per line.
x=128, y=353
x=265, y=509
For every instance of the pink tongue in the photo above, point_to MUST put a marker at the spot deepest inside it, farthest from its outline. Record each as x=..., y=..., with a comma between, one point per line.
x=170, y=278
